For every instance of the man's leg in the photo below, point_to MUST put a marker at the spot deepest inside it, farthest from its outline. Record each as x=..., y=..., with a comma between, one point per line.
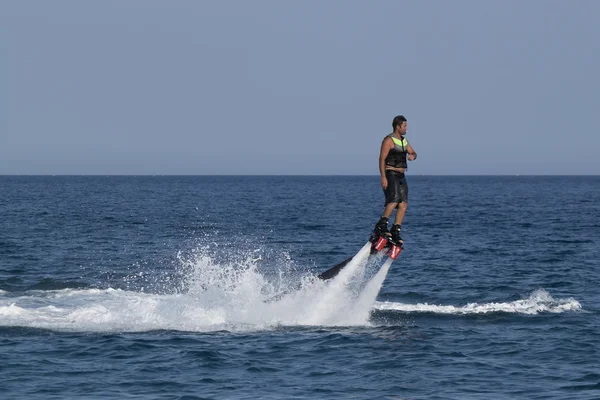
x=389, y=209
x=397, y=227
x=400, y=213
x=382, y=226
x=391, y=197
x=402, y=205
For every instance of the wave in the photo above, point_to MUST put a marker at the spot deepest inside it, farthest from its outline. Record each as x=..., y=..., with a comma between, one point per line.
x=540, y=301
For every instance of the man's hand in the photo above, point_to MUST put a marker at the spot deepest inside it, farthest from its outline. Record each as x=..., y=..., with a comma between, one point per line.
x=412, y=156
x=384, y=182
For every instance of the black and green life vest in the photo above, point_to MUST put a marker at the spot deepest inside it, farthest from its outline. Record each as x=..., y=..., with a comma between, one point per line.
x=397, y=156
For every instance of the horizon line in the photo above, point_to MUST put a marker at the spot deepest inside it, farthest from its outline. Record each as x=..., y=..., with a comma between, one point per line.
x=276, y=175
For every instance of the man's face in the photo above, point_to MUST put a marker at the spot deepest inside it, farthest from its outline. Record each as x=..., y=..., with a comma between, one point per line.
x=402, y=128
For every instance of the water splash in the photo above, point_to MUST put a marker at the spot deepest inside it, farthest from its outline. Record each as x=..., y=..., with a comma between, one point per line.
x=215, y=294
x=371, y=290
x=234, y=294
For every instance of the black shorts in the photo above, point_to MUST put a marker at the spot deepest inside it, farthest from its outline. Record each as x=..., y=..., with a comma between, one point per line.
x=397, y=188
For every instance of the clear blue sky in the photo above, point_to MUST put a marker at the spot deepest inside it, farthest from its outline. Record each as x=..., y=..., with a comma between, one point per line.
x=298, y=87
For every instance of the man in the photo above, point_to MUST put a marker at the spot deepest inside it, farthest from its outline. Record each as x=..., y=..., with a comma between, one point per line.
x=395, y=150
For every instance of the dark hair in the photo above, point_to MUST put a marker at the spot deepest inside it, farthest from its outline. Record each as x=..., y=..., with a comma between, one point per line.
x=398, y=120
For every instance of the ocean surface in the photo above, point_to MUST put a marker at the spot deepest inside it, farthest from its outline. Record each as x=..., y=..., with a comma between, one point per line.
x=203, y=287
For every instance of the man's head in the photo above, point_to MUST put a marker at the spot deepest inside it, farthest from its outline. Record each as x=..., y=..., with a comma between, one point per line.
x=399, y=122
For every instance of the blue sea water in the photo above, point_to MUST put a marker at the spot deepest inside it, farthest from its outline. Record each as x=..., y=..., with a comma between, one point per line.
x=166, y=287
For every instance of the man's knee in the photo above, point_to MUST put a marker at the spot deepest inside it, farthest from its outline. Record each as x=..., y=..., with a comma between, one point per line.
x=392, y=204
x=402, y=206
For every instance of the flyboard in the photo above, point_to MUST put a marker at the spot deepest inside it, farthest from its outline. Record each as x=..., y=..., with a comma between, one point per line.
x=379, y=244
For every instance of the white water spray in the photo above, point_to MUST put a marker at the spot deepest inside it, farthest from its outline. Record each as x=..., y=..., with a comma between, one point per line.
x=371, y=290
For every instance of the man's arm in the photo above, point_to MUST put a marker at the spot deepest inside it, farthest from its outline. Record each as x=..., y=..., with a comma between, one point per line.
x=383, y=153
x=412, y=154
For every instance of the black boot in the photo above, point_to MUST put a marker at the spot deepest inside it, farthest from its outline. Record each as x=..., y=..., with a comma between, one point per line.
x=395, y=231
x=381, y=227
